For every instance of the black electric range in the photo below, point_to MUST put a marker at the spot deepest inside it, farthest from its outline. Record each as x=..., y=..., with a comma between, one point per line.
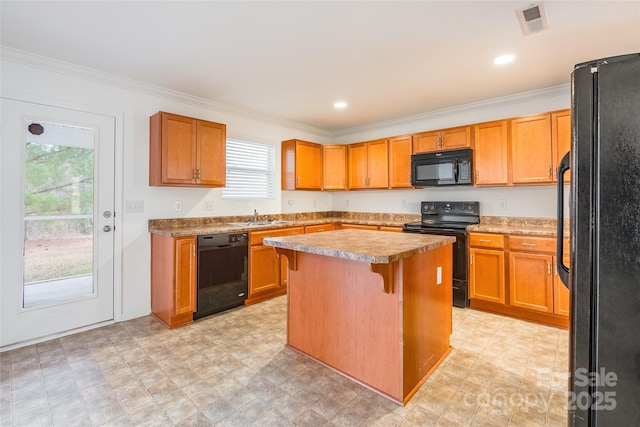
x=450, y=219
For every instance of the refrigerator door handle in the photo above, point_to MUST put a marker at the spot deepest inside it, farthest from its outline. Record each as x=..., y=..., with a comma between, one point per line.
x=563, y=270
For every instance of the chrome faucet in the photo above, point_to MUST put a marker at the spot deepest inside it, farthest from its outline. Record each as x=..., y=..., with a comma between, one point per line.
x=255, y=215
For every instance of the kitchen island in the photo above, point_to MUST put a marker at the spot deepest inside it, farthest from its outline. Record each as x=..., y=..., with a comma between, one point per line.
x=375, y=306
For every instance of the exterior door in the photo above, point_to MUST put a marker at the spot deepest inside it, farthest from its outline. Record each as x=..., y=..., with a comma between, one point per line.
x=57, y=224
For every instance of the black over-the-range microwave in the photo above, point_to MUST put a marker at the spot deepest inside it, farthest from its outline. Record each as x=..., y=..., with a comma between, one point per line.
x=442, y=168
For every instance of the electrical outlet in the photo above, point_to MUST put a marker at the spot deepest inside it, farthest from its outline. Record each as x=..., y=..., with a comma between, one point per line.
x=208, y=205
x=178, y=205
x=346, y=203
x=503, y=204
x=134, y=206
x=438, y=275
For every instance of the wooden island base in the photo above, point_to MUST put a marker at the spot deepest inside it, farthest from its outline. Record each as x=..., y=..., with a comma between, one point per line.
x=386, y=326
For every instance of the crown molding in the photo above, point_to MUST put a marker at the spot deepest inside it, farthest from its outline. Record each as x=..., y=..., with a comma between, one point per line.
x=519, y=98
x=78, y=71
x=66, y=68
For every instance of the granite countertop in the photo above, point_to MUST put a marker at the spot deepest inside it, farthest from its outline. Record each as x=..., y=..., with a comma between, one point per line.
x=377, y=247
x=183, y=227
x=541, y=227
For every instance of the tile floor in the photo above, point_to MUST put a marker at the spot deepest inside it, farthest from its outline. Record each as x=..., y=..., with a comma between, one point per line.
x=232, y=369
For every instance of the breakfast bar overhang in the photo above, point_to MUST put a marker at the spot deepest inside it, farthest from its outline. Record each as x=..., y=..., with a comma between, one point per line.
x=375, y=306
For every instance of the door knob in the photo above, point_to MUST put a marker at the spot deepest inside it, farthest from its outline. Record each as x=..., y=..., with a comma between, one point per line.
x=106, y=228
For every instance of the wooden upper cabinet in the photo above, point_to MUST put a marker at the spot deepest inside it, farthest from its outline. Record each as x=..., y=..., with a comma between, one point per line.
x=369, y=164
x=560, y=139
x=378, y=163
x=211, y=153
x=445, y=139
x=491, y=153
x=334, y=167
x=531, y=159
x=301, y=165
x=400, y=149
x=186, y=152
x=357, y=166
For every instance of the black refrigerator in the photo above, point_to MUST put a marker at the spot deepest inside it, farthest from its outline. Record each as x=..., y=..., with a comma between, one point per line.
x=604, y=215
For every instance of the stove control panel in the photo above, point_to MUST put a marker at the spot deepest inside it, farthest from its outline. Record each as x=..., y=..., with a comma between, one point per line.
x=459, y=208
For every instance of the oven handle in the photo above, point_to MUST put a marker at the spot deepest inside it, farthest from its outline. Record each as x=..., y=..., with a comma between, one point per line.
x=436, y=231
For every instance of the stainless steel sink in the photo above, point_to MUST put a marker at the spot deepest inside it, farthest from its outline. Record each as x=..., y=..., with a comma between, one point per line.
x=258, y=223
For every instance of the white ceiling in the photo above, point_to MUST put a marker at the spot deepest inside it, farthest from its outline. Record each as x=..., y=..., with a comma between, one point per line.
x=293, y=60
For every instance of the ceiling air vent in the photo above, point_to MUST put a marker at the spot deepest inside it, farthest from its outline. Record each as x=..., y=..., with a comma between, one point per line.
x=533, y=19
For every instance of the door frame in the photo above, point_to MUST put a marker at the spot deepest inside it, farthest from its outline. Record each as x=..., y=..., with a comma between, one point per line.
x=118, y=117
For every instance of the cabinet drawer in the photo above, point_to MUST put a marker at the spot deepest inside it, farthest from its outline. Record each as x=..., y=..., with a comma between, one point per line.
x=256, y=237
x=319, y=227
x=532, y=244
x=486, y=240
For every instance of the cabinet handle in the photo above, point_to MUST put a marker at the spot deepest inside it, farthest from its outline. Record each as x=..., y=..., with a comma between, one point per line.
x=194, y=174
x=477, y=174
x=549, y=268
x=198, y=173
x=529, y=244
x=485, y=240
x=555, y=171
x=193, y=250
x=471, y=259
x=298, y=180
x=549, y=171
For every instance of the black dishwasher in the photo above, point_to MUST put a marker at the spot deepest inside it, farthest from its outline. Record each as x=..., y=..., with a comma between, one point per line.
x=222, y=272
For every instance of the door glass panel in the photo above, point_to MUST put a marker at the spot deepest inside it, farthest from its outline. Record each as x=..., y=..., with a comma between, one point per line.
x=58, y=223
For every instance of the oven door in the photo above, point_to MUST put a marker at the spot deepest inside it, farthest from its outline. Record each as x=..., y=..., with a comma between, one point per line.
x=460, y=275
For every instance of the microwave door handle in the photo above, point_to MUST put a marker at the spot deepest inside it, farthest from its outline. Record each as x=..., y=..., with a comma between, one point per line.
x=455, y=170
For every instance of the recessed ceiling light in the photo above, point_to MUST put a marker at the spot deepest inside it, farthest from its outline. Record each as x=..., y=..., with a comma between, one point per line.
x=504, y=59
x=340, y=104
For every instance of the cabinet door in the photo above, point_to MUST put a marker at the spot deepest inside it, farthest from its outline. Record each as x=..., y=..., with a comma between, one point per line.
x=531, y=281
x=211, y=153
x=486, y=275
x=334, y=167
x=490, y=153
x=561, y=295
x=357, y=165
x=178, y=149
x=456, y=137
x=560, y=139
x=427, y=141
x=264, y=269
x=400, y=149
x=185, y=275
x=531, y=150
x=378, y=164
x=308, y=165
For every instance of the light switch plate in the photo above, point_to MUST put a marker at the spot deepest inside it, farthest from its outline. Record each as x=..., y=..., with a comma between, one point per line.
x=134, y=206
x=438, y=275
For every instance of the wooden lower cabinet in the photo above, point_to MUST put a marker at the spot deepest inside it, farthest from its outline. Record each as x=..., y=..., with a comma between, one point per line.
x=531, y=281
x=515, y=275
x=173, y=279
x=267, y=271
x=486, y=275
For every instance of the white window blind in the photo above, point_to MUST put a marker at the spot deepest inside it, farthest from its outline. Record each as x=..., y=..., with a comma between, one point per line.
x=250, y=169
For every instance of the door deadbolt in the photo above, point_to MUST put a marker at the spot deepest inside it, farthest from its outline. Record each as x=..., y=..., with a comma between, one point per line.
x=106, y=214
